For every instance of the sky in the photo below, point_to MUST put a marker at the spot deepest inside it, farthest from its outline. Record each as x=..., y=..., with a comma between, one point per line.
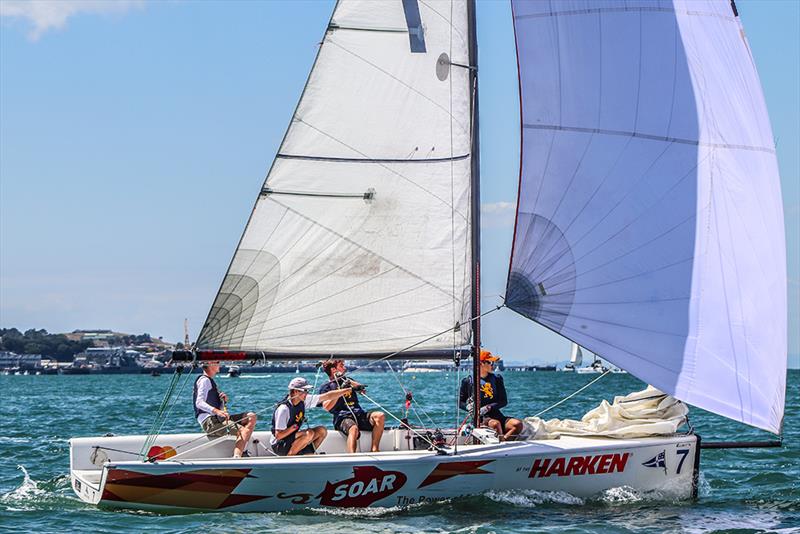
x=134, y=136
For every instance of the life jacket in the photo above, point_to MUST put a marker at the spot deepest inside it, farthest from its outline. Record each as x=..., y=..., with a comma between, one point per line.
x=212, y=397
x=297, y=415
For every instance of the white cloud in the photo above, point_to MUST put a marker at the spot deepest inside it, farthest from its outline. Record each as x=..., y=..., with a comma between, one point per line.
x=498, y=207
x=44, y=15
x=498, y=214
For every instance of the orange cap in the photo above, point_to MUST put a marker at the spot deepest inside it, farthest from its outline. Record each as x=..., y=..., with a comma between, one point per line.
x=486, y=356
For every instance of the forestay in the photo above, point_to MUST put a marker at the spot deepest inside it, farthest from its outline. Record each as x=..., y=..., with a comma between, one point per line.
x=359, y=242
x=650, y=224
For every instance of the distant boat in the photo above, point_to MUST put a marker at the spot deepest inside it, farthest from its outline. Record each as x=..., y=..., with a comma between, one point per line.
x=234, y=371
x=575, y=359
x=427, y=366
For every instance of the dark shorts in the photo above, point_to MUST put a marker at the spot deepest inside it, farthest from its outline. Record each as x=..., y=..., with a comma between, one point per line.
x=361, y=419
x=282, y=446
x=497, y=416
x=216, y=427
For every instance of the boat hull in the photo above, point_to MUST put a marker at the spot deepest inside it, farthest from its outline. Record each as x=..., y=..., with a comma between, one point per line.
x=582, y=467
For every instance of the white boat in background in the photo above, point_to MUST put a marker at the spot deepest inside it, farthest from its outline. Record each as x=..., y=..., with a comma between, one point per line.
x=575, y=359
x=428, y=366
x=649, y=229
x=234, y=371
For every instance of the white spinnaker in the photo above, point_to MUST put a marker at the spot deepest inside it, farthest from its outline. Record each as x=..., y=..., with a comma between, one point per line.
x=381, y=116
x=650, y=225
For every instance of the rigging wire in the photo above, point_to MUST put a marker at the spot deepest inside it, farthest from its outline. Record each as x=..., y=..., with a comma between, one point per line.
x=565, y=399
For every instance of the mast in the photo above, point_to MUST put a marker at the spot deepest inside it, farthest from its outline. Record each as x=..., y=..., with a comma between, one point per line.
x=476, y=213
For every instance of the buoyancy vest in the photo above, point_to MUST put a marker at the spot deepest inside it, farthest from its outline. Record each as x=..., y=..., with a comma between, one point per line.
x=212, y=397
x=297, y=414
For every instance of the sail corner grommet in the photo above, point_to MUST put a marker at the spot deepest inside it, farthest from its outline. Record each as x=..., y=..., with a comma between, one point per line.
x=369, y=195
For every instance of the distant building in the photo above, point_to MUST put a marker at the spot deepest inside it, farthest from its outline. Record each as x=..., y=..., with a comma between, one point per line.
x=12, y=360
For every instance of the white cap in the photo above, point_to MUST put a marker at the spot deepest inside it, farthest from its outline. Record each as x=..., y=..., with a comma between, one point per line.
x=300, y=383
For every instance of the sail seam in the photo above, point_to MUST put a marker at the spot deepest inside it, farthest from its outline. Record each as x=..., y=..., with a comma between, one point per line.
x=334, y=26
x=393, y=171
x=370, y=160
x=641, y=9
x=646, y=136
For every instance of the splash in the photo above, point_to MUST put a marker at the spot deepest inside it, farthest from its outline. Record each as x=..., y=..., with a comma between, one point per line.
x=28, y=493
x=532, y=498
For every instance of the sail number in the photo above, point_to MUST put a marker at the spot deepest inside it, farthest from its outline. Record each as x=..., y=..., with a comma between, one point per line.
x=683, y=454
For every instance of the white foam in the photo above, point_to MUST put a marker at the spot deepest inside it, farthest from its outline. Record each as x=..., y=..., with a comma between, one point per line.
x=29, y=492
x=531, y=498
x=8, y=439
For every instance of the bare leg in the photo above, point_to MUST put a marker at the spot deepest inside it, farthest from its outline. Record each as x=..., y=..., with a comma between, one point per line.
x=320, y=433
x=494, y=424
x=244, y=434
x=513, y=428
x=301, y=441
x=377, y=420
x=352, y=438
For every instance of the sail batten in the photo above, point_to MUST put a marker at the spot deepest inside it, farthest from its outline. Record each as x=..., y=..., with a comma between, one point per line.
x=649, y=226
x=359, y=242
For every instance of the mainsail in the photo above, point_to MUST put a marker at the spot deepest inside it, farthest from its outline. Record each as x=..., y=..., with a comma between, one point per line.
x=359, y=242
x=576, y=357
x=649, y=225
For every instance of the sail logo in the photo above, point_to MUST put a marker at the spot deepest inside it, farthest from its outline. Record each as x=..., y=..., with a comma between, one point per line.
x=659, y=460
x=598, y=464
x=368, y=485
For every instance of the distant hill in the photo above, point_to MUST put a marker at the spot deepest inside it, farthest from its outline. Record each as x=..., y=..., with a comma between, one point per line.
x=63, y=347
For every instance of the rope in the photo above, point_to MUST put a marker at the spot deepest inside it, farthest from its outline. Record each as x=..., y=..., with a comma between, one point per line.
x=160, y=414
x=572, y=395
x=392, y=355
x=408, y=427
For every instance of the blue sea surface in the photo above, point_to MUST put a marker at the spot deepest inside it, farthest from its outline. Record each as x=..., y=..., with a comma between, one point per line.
x=743, y=490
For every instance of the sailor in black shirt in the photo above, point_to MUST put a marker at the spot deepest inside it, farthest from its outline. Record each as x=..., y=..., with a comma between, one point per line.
x=493, y=397
x=349, y=417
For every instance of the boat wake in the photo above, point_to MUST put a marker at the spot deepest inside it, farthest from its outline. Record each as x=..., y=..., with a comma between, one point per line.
x=33, y=495
x=532, y=498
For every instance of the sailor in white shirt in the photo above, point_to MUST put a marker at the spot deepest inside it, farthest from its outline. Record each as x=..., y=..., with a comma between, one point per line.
x=209, y=408
x=287, y=438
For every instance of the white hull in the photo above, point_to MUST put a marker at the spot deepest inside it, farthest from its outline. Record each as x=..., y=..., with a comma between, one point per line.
x=581, y=466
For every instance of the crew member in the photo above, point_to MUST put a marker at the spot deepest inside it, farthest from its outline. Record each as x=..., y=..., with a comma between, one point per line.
x=493, y=397
x=209, y=408
x=349, y=417
x=287, y=438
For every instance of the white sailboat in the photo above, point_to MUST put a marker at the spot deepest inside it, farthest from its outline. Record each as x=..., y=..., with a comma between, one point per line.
x=649, y=229
x=575, y=359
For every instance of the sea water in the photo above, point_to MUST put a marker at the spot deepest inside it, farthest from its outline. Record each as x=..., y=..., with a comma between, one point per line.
x=747, y=490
